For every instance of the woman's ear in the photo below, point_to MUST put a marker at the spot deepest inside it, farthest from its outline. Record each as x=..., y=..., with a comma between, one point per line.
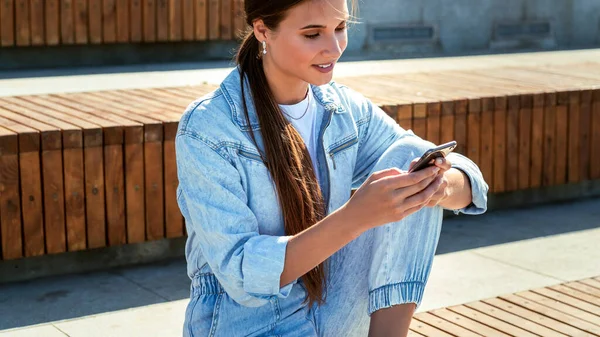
x=260, y=30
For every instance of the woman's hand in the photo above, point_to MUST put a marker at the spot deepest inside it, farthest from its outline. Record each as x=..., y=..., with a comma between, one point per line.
x=443, y=192
x=391, y=195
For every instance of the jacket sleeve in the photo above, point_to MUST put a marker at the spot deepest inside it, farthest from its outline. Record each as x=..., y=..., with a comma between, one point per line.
x=381, y=131
x=248, y=265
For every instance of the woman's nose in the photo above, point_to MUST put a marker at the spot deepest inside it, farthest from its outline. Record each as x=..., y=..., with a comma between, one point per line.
x=334, y=47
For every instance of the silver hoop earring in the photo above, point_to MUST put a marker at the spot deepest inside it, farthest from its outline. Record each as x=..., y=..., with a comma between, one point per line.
x=264, y=45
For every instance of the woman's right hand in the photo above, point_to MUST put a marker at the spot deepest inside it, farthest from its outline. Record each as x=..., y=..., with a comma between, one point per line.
x=391, y=195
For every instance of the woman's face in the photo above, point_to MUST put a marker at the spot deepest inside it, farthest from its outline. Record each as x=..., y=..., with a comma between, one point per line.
x=309, y=41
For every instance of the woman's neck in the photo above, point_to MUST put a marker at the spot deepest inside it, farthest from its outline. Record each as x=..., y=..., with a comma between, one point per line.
x=286, y=90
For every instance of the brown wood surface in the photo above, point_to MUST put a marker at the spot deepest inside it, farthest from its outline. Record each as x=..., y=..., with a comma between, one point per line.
x=162, y=20
x=214, y=19
x=175, y=20
x=10, y=204
x=80, y=21
x=52, y=11
x=136, y=20
x=36, y=15
x=201, y=19
x=65, y=23
x=109, y=21
x=7, y=23
x=21, y=22
x=149, y=20
x=95, y=10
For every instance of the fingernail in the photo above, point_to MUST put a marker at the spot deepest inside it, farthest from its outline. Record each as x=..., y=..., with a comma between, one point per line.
x=438, y=161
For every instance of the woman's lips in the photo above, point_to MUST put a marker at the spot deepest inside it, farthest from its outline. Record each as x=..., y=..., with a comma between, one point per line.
x=321, y=68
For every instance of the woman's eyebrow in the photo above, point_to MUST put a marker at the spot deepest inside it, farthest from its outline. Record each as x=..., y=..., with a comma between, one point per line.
x=318, y=26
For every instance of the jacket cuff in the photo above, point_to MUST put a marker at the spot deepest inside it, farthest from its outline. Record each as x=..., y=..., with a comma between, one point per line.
x=264, y=258
x=479, y=189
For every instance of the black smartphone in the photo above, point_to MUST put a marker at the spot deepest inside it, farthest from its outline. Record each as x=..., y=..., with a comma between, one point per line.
x=432, y=154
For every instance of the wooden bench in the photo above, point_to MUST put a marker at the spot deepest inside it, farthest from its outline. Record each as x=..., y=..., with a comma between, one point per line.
x=569, y=309
x=90, y=170
x=26, y=23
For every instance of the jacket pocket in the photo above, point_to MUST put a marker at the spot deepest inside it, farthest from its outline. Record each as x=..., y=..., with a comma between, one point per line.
x=342, y=147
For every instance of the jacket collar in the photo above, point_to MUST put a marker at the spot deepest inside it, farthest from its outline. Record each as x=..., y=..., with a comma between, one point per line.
x=325, y=95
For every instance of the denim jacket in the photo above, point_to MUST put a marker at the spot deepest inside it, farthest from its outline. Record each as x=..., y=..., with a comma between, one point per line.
x=233, y=219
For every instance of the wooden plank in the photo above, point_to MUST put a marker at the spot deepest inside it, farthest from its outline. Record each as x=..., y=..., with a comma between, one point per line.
x=122, y=18
x=239, y=20
x=109, y=21
x=136, y=15
x=95, y=10
x=433, y=122
x=10, y=205
x=52, y=21
x=413, y=334
x=31, y=198
x=574, y=115
x=585, y=130
x=467, y=323
x=460, y=126
x=473, y=143
x=66, y=24
x=490, y=321
x=22, y=30
x=447, y=122
x=579, y=295
x=52, y=172
x=404, y=116
x=81, y=17
x=525, y=141
x=512, y=145
x=567, y=309
x=162, y=20
x=189, y=20
x=590, y=284
x=595, y=138
x=149, y=20
x=175, y=20
x=553, y=312
x=555, y=294
x=36, y=13
x=592, y=289
x=226, y=24
x=7, y=23
x=444, y=325
x=537, y=142
x=214, y=19
x=562, y=138
x=549, y=167
x=426, y=329
x=515, y=320
x=486, y=164
x=536, y=317
x=499, y=161
x=420, y=120
x=201, y=19
x=174, y=222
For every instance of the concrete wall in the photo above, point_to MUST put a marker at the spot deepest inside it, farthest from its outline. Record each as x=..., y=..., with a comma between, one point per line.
x=468, y=25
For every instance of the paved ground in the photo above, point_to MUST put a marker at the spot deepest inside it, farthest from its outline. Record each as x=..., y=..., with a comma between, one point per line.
x=148, y=76
x=478, y=257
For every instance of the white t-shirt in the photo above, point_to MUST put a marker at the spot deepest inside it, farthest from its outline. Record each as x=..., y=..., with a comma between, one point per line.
x=306, y=125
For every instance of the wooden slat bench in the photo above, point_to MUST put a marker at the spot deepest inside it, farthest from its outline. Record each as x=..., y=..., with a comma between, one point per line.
x=568, y=309
x=96, y=169
x=25, y=23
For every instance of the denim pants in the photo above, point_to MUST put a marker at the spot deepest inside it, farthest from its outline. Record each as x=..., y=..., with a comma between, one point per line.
x=385, y=266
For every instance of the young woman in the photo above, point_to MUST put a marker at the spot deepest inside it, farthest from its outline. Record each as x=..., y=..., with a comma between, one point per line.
x=276, y=245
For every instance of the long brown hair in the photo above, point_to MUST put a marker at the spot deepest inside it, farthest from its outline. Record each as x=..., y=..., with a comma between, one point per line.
x=287, y=158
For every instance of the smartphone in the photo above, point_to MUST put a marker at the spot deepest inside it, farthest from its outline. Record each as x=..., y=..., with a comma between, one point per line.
x=432, y=154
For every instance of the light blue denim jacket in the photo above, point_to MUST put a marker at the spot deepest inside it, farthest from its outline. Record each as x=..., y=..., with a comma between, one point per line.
x=234, y=223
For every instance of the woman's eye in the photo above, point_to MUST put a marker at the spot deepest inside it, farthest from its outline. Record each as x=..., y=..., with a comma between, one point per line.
x=312, y=36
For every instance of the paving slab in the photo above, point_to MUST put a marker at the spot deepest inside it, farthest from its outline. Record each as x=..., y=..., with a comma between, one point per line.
x=463, y=277
x=46, y=330
x=167, y=279
x=568, y=257
x=154, y=320
x=66, y=297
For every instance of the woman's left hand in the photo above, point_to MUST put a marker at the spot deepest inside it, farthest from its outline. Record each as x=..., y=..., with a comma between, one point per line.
x=442, y=192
